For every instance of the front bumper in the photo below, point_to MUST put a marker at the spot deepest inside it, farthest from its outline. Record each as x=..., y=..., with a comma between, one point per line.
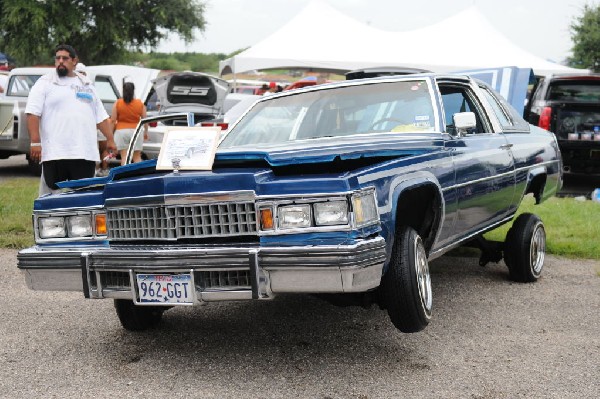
x=219, y=273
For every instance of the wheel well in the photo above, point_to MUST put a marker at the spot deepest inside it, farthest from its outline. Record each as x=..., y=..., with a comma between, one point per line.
x=536, y=187
x=420, y=208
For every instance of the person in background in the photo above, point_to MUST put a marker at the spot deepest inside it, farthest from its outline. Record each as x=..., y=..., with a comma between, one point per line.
x=263, y=89
x=102, y=150
x=63, y=114
x=3, y=84
x=126, y=114
x=3, y=77
x=272, y=89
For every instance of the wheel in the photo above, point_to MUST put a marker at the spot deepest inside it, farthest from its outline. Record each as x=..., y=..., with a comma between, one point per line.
x=525, y=248
x=137, y=318
x=384, y=120
x=406, y=286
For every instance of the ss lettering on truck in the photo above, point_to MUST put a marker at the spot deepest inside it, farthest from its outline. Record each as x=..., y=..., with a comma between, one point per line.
x=189, y=91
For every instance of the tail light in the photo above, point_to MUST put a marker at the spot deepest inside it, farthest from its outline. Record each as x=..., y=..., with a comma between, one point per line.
x=545, y=118
x=222, y=125
x=153, y=124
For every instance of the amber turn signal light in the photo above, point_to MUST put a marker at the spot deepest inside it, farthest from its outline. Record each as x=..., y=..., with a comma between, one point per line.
x=101, y=224
x=266, y=219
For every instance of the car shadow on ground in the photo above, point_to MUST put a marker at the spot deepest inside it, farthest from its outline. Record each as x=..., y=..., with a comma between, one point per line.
x=293, y=329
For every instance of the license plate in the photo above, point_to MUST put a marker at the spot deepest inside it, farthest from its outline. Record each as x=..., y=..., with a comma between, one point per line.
x=165, y=288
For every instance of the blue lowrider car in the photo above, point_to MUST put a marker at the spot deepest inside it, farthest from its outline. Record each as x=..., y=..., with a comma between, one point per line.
x=346, y=190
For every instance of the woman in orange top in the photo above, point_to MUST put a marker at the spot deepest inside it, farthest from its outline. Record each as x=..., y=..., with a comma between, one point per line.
x=126, y=114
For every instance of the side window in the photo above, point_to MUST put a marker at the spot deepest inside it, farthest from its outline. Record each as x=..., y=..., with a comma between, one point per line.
x=455, y=99
x=499, y=111
x=152, y=102
x=105, y=89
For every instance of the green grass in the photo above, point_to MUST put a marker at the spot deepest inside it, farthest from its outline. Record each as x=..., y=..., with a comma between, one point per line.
x=16, y=206
x=572, y=227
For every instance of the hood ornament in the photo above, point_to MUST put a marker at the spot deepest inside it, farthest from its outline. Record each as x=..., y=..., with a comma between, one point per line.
x=176, y=162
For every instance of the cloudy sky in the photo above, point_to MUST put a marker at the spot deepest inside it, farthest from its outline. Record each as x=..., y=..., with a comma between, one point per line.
x=538, y=26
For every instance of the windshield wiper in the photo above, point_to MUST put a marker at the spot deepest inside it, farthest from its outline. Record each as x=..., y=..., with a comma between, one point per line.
x=317, y=137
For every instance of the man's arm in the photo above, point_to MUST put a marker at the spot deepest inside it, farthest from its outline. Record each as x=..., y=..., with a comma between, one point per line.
x=33, y=125
x=106, y=128
x=144, y=115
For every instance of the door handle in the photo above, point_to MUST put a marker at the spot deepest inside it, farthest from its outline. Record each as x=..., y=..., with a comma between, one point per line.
x=506, y=146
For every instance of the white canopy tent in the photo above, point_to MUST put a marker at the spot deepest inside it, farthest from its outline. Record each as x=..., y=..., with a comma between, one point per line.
x=322, y=38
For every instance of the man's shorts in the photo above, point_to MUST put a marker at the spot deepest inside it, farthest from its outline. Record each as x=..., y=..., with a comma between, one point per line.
x=100, y=136
x=67, y=169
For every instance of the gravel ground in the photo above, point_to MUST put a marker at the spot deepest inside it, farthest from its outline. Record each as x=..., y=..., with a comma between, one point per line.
x=489, y=338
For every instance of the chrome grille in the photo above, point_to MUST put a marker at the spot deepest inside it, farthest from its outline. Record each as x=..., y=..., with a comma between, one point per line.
x=174, y=222
x=224, y=279
x=115, y=280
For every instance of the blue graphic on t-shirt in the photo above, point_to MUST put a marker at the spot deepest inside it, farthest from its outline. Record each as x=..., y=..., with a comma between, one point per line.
x=84, y=96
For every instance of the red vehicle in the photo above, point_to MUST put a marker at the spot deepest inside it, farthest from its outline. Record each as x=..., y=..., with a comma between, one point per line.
x=301, y=83
x=256, y=90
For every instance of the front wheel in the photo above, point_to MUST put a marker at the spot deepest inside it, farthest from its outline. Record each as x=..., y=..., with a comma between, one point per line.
x=525, y=248
x=137, y=318
x=406, y=286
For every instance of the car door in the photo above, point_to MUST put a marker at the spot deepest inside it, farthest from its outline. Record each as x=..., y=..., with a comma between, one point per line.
x=517, y=132
x=482, y=159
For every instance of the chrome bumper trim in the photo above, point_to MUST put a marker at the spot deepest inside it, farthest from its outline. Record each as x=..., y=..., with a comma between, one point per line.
x=272, y=270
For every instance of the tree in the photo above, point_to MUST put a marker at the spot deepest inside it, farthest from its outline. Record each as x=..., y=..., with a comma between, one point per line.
x=102, y=31
x=585, y=34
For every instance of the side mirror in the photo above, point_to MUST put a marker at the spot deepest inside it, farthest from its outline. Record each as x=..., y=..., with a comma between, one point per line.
x=463, y=121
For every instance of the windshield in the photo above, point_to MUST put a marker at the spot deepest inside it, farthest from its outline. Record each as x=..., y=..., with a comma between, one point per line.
x=584, y=91
x=404, y=106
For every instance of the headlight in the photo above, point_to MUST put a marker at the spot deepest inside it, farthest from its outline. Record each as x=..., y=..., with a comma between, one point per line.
x=74, y=226
x=79, y=226
x=331, y=213
x=365, y=209
x=294, y=216
x=52, y=227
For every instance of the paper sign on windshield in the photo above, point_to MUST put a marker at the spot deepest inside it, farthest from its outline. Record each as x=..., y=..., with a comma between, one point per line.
x=191, y=148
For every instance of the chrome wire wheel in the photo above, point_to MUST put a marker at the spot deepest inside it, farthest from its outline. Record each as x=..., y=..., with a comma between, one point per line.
x=405, y=289
x=423, y=277
x=537, y=249
x=525, y=248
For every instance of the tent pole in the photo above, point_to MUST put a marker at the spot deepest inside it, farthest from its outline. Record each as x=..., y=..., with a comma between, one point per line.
x=234, y=77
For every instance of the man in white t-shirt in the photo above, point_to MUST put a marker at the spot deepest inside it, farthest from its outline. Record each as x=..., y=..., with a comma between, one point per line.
x=3, y=84
x=63, y=112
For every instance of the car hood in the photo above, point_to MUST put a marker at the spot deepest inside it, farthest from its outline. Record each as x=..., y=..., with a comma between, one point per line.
x=140, y=77
x=325, y=150
x=320, y=152
x=191, y=92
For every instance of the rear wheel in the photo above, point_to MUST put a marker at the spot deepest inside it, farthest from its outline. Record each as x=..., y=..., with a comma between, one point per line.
x=138, y=318
x=525, y=248
x=406, y=286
